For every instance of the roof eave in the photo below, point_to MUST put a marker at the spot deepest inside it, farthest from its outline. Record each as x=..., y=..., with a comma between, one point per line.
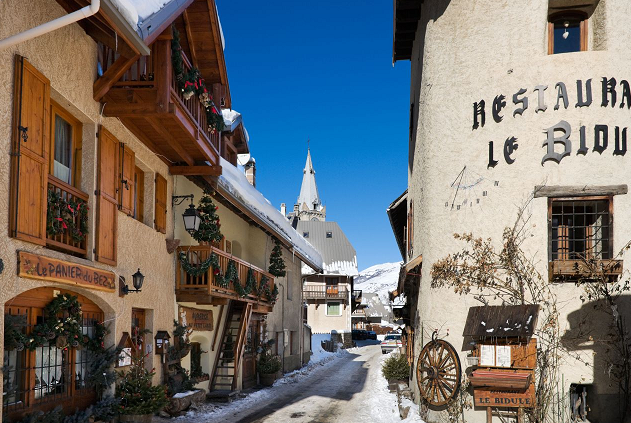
x=126, y=30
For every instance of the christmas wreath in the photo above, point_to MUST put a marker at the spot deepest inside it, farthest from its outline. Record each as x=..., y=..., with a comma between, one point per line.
x=61, y=326
x=61, y=216
x=191, y=83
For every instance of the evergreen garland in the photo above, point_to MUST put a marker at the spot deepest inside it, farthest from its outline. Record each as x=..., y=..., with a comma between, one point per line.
x=196, y=270
x=264, y=289
x=61, y=215
x=191, y=83
x=250, y=282
x=276, y=262
x=209, y=226
x=232, y=275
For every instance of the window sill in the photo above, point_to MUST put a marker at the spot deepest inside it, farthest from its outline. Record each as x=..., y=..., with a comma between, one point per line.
x=573, y=270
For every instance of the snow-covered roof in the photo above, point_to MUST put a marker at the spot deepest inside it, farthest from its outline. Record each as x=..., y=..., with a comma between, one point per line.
x=135, y=11
x=338, y=253
x=231, y=119
x=236, y=184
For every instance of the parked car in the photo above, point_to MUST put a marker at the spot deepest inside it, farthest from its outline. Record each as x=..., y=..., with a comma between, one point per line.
x=371, y=334
x=358, y=334
x=391, y=342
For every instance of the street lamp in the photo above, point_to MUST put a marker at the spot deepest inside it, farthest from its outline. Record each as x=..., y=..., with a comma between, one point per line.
x=190, y=215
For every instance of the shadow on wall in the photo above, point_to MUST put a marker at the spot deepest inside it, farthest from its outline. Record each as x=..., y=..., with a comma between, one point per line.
x=591, y=329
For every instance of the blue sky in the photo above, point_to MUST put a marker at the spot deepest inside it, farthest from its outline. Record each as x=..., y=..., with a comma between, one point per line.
x=323, y=70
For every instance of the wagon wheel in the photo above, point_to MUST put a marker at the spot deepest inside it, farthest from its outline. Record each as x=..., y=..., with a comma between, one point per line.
x=438, y=372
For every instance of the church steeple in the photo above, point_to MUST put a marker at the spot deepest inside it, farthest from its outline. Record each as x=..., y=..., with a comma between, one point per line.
x=309, y=205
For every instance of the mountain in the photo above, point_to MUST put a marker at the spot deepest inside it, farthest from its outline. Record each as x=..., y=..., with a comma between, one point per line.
x=380, y=279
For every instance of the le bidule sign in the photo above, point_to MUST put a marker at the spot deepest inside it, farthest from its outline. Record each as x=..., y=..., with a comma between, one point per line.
x=33, y=266
x=560, y=140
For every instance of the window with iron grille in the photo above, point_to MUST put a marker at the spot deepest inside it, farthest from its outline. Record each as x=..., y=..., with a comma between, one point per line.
x=48, y=376
x=581, y=229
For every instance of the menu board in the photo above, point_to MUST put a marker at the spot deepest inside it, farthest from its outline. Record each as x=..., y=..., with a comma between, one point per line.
x=502, y=356
x=487, y=355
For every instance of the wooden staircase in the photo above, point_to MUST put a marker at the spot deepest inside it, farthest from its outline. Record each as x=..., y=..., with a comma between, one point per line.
x=229, y=355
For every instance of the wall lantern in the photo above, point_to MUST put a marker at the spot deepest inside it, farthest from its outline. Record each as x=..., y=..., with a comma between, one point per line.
x=137, y=280
x=190, y=216
x=162, y=341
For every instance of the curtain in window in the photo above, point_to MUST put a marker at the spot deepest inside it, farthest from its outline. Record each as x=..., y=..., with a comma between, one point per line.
x=333, y=309
x=63, y=149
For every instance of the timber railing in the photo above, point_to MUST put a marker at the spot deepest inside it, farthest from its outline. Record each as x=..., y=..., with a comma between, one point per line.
x=314, y=292
x=64, y=240
x=208, y=282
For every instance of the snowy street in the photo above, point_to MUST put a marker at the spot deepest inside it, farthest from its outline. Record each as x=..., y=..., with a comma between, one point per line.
x=347, y=389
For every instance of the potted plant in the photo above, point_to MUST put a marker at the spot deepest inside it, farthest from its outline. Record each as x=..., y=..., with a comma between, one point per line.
x=139, y=400
x=268, y=364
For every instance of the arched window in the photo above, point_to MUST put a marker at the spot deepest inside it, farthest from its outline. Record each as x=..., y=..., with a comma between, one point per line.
x=48, y=376
x=567, y=32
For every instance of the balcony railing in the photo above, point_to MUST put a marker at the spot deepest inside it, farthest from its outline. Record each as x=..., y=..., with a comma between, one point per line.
x=208, y=283
x=314, y=292
x=65, y=241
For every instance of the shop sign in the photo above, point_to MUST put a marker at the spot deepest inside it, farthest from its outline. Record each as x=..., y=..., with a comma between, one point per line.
x=492, y=397
x=33, y=266
x=196, y=318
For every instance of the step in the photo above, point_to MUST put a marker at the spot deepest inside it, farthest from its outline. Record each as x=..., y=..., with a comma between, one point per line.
x=221, y=395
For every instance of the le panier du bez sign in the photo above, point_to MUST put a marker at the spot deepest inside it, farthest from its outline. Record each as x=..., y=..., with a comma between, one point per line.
x=196, y=318
x=37, y=267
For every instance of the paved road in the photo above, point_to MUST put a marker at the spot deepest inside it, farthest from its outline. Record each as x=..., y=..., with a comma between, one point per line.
x=338, y=393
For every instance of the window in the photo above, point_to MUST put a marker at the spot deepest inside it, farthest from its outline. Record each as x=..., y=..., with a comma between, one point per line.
x=139, y=194
x=65, y=151
x=580, y=229
x=329, y=234
x=138, y=330
x=333, y=308
x=567, y=32
x=305, y=234
x=47, y=376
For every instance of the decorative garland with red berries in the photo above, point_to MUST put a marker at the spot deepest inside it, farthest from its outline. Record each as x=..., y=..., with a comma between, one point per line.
x=61, y=216
x=191, y=83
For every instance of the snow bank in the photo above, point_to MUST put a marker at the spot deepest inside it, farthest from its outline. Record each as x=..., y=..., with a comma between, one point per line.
x=235, y=182
x=135, y=11
x=319, y=354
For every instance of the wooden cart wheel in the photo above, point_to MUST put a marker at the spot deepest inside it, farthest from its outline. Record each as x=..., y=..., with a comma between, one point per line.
x=438, y=372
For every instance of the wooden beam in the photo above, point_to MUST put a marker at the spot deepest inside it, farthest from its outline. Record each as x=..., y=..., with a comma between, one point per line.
x=145, y=139
x=102, y=85
x=579, y=190
x=129, y=110
x=189, y=36
x=206, y=148
x=195, y=170
x=161, y=130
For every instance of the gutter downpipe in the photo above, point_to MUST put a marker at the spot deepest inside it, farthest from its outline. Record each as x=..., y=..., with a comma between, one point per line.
x=42, y=29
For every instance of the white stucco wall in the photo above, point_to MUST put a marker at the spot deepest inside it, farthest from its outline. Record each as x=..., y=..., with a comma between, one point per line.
x=468, y=51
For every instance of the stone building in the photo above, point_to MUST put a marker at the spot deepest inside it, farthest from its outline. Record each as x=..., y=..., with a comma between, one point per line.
x=518, y=107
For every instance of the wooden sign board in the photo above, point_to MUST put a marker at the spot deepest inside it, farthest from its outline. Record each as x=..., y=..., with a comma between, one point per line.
x=37, y=267
x=492, y=397
x=197, y=319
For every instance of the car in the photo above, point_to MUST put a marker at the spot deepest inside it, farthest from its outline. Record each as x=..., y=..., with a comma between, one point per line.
x=358, y=334
x=371, y=334
x=391, y=342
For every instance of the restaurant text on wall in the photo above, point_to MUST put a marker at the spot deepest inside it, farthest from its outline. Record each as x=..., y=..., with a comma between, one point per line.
x=558, y=138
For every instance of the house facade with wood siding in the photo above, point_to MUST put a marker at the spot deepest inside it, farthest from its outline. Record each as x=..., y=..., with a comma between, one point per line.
x=517, y=111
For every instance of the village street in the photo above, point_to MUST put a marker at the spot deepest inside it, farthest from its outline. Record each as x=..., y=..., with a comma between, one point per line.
x=348, y=389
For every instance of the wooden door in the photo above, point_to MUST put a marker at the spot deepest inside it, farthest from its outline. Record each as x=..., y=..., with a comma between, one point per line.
x=137, y=330
x=252, y=342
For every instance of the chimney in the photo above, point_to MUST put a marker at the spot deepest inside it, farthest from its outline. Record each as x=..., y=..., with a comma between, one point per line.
x=283, y=209
x=250, y=171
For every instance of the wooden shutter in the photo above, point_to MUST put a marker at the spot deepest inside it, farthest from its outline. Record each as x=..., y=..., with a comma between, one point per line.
x=29, y=161
x=126, y=180
x=107, y=198
x=161, y=204
x=140, y=194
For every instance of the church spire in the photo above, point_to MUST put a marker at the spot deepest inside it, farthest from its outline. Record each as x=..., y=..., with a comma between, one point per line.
x=309, y=190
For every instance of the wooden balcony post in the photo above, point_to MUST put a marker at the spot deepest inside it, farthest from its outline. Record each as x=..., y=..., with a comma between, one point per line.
x=163, y=71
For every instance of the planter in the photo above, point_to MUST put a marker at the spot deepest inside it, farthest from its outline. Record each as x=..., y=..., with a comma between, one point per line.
x=135, y=418
x=182, y=401
x=267, y=379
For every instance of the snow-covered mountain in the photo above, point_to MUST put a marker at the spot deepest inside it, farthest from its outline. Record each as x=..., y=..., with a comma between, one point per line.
x=380, y=279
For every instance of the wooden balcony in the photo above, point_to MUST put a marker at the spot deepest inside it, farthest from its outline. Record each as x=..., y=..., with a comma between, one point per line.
x=64, y=241
x=322, y=292
x=143, y=92
x=205, y=289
